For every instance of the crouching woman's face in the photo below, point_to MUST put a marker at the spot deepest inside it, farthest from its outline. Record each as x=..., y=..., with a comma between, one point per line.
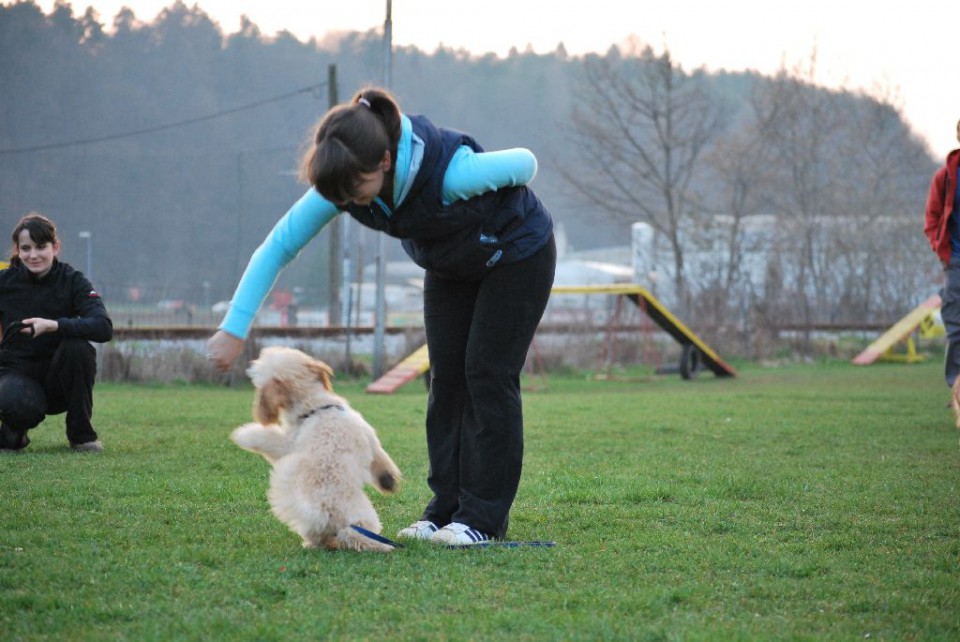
x=37, y=257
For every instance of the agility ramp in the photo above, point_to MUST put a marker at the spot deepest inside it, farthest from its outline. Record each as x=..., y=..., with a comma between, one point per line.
x=413, y=366
x=902, y=330
x=695, y=351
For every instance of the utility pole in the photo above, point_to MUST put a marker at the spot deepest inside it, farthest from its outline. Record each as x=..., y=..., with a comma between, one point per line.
x=334, y=307
x=381, y=320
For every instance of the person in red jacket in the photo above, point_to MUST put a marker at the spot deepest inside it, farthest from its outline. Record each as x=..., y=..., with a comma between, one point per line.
x=942, y=230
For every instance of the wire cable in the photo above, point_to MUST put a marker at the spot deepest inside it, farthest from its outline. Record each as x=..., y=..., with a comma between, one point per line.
x=158, y=128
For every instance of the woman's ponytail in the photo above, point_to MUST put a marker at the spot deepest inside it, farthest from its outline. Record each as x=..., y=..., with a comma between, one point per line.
x=349, y=140
x=380, y=102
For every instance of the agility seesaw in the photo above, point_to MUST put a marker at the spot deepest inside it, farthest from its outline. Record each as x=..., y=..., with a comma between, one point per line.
x=694, y=351
x=900, y=331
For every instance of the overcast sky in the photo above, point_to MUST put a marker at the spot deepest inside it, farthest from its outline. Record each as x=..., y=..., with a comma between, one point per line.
x=907, y=50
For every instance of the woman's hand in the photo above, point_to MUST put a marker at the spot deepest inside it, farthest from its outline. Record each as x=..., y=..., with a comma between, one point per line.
x=37, y=326
x=223, y=349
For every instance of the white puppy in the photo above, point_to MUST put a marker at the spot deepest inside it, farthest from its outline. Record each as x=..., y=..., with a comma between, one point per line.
x=323, y=452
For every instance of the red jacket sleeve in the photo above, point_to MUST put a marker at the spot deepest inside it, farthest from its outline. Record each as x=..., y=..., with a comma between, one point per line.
x=934, y=225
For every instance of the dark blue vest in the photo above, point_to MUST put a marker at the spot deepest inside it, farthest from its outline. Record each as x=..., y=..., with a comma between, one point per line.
x=465, y=239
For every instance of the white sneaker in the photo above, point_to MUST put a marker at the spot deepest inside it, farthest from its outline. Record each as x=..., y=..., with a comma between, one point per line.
x=457, y=534
x=88, y=447
x=418, y=530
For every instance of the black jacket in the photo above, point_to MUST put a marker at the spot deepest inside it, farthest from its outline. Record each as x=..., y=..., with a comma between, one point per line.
x=64, y=295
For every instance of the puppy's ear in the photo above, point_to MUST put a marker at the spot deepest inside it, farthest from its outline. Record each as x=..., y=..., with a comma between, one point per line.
x=323, y=372
x=270, y=400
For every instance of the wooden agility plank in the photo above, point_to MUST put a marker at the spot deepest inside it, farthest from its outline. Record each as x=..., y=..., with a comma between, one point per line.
x=413, y=366
x=898, y=331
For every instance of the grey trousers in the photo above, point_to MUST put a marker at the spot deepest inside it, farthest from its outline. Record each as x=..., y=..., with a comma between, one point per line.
x=950, y=313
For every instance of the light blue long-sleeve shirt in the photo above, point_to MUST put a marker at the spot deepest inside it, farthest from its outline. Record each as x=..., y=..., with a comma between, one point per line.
x=468, y=174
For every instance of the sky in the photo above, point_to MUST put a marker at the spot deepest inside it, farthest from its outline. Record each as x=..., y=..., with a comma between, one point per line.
x=904, y=51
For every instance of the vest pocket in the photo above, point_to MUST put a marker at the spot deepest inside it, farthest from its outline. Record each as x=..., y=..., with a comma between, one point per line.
x=467, y=256
x=467, y=239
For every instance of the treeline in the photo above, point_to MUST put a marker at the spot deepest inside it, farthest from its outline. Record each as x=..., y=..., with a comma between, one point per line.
x=176, y=145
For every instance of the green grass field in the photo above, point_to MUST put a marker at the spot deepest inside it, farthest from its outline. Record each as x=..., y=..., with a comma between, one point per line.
x=801, y=503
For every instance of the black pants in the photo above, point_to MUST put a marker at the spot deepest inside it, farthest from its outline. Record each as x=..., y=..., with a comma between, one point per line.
x=478, y=335
x=29, y=392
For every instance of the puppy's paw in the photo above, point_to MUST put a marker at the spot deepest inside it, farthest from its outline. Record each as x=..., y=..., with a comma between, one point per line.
x=247, y=435
x=268, y=441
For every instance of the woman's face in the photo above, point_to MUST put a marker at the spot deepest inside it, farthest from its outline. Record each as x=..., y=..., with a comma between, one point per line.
x=38, y=258
x=369, y=184
x=367, y=187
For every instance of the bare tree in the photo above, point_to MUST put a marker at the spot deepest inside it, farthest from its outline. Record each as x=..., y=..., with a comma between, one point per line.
x=799, y=125
x=883, y=199
x=741, y=237
x=641, y=126
x=741, y=170
x=844, y=188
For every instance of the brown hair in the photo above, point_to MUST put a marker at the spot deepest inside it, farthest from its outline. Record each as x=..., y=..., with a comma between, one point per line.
x=41, y=229
x=349, y=140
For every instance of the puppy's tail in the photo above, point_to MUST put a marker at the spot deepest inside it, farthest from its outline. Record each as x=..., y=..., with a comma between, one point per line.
x=263, y=440
x=386, y=474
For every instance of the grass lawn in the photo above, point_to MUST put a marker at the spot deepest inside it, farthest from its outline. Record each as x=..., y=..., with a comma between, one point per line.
x=807, y=502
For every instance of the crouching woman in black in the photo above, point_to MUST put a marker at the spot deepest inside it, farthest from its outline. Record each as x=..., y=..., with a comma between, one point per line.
x=49, y=314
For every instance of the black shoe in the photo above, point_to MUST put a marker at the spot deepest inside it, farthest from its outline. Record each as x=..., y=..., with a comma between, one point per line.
x=12, y=441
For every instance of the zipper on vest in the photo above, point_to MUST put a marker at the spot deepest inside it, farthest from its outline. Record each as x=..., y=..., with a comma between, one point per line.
x=496, y=257
x=383, y=206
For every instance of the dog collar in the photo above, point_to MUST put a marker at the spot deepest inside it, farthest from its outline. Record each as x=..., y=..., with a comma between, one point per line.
x=310, y=413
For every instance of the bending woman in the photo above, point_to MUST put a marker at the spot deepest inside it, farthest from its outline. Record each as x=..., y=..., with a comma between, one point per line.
x=486, y=243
